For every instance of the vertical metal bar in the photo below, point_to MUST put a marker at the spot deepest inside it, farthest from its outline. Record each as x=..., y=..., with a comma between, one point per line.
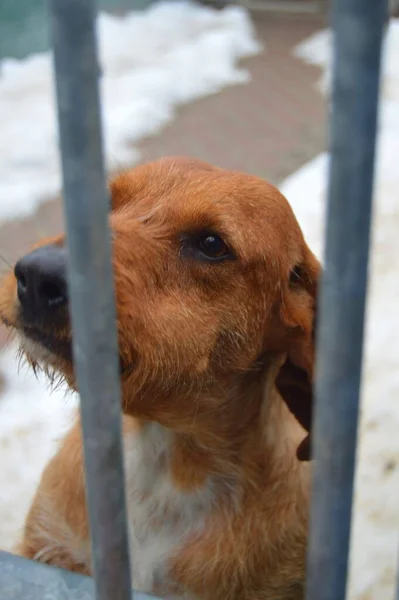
x=358, y=28
x=95, y=347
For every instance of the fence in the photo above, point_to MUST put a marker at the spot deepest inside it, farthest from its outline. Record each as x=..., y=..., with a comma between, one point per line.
x=358, y=26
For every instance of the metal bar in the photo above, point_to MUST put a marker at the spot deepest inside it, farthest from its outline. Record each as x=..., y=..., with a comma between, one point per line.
x=91, y=288
x=22, y=579
x=358, y=27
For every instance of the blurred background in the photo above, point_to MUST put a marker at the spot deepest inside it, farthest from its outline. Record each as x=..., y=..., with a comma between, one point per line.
x=245, y=87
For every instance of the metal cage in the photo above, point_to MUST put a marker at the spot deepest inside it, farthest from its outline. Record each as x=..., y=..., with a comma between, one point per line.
x=358, y=28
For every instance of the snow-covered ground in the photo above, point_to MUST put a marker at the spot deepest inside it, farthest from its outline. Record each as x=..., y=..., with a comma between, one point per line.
x=32, y=421
x=138, y=53
x=376, y=517
x=151, y=62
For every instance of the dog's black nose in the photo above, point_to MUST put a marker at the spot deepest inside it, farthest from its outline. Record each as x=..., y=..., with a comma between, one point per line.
x=41, y=280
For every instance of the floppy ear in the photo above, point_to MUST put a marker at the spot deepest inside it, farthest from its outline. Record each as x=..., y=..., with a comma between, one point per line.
x=295, y=379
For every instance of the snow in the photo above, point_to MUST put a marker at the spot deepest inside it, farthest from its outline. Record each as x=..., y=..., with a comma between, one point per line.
x=151, y=61
x=375, y=530
x=31, y=424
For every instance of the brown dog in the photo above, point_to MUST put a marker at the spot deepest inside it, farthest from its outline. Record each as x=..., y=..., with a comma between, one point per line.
x=216, y=295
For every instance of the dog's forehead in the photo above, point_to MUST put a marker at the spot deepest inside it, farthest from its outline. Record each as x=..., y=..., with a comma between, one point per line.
x=188, y=194
x=188, y=184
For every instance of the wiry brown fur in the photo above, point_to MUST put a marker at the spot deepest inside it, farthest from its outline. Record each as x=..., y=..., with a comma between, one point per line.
x=210, y=352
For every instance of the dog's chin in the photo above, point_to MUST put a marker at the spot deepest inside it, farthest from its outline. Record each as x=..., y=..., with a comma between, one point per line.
x=45, y=351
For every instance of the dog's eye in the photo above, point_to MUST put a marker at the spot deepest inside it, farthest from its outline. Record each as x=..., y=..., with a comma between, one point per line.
x=296, y=275
x=212, y=246
x=206, y=246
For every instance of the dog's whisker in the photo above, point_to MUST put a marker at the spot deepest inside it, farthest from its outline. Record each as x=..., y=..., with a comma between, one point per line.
x=6, y=262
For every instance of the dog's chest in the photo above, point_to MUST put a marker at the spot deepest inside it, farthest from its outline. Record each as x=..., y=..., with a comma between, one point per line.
x=161, y=517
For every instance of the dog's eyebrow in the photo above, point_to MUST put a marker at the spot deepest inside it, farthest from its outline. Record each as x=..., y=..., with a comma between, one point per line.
x=148, y=215
x=145, y=217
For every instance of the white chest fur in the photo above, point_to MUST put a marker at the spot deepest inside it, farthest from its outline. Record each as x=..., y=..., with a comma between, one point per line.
x=160, y=516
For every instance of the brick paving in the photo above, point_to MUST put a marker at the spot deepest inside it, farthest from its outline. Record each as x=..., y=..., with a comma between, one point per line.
x=269, y=127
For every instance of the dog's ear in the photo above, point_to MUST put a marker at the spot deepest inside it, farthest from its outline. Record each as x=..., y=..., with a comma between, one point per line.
x=295, y=379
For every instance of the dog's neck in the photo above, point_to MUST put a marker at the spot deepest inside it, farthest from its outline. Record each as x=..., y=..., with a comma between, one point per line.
x=225, y=475
x=249, y=444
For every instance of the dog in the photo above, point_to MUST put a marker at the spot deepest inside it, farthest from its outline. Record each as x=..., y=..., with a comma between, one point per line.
x=216, y=302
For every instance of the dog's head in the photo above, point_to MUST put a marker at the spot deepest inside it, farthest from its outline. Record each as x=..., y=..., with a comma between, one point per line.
x=214, y=282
